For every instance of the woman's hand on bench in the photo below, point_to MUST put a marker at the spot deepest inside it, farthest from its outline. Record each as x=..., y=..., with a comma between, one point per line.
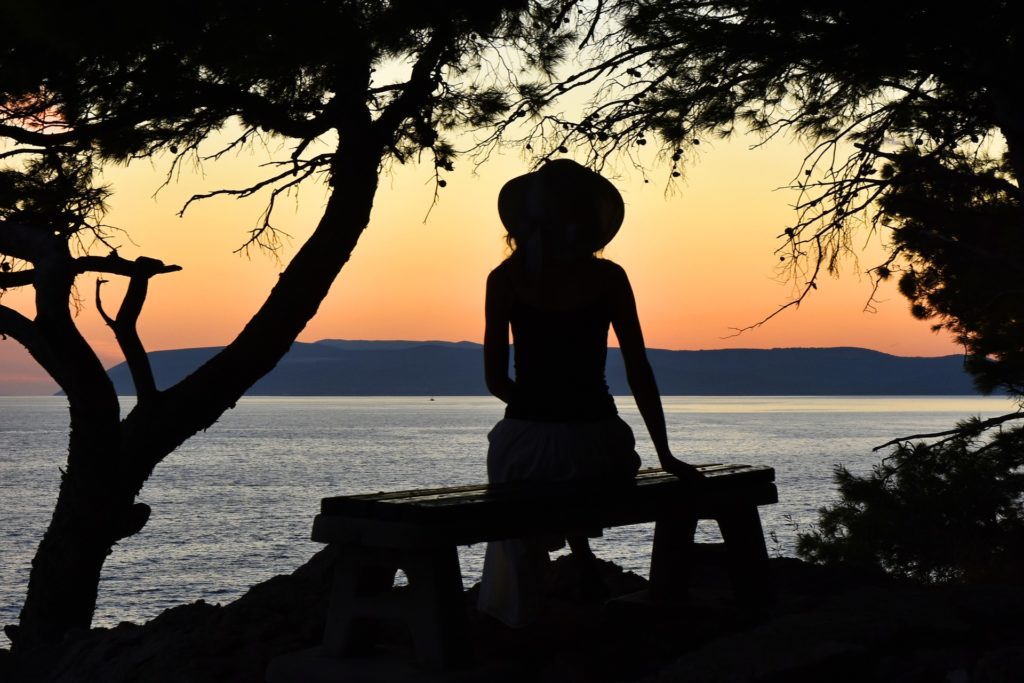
x=684, y=471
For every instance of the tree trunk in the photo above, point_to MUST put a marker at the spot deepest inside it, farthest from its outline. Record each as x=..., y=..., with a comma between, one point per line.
x=197, y=401
x=94, y=510
x=107, y=466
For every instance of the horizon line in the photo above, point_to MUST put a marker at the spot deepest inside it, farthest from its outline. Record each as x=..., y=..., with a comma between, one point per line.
x=610, y=346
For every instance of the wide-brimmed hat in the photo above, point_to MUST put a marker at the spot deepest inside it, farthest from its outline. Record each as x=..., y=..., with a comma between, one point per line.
x=562, y=187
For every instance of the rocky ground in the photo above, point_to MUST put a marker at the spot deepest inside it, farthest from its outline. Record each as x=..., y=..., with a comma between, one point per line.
x=830, y=625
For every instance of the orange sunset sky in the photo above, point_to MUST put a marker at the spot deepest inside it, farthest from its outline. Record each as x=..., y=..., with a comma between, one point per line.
x=700, y=259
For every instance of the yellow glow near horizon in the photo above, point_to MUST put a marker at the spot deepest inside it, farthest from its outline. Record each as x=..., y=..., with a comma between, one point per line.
x=700, y=259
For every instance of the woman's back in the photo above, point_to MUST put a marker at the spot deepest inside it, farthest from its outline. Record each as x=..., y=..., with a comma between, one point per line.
x=560, y=319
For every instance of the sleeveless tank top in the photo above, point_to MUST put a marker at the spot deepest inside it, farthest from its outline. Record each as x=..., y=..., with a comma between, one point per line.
x=559, y=364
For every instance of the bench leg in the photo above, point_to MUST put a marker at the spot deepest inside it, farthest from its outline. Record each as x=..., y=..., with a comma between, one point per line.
x=361, y=578
x=432, y=605
x=436, y=610
x=672, y=555
x=747, y=554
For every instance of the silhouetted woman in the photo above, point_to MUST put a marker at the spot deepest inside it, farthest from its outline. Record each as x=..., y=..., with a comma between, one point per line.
x=559, y=299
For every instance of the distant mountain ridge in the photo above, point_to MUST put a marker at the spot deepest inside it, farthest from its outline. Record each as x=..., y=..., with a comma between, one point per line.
x=338, y=367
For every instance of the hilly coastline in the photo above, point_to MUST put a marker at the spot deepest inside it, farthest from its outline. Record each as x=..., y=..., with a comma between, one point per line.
x=334, y=367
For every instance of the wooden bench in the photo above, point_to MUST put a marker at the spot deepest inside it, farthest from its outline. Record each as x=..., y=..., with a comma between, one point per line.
x=419, y=531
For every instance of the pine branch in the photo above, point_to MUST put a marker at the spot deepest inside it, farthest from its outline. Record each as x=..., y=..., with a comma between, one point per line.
x=956, y=431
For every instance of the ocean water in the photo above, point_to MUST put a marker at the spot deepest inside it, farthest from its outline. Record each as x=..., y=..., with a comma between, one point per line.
x=234, y=505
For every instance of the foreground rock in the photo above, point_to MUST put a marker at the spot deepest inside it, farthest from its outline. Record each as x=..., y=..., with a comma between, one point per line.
x=197, y=642
x=954, y=635
x=830, y=625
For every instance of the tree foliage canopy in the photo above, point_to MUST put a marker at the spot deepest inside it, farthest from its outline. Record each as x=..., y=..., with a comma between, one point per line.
x=913, y=114
x=952, y=511
x=345, y=87
x=915, y=120
x=96, y=80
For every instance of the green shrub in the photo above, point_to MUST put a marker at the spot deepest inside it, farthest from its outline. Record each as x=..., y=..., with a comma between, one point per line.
x=949, y=511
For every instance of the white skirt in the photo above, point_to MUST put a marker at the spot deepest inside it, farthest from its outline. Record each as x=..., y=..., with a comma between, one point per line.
x=527, y=450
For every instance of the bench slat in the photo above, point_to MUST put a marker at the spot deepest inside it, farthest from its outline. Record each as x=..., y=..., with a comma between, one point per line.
x=493, y=524
x=423, y=503
x=481, y=513
x=416, y=496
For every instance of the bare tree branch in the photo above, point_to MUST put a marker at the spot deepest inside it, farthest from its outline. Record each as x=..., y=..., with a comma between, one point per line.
x=18, y=326
x=956, y=431
x=23, y=330
x=794, y=302
x=598, y=11
x=251, y=189
x=24, y=150
x=30, y=137
x=18, y=278
x=113, y=264
x=125, y=323
x=421, y=83
x=99, y=303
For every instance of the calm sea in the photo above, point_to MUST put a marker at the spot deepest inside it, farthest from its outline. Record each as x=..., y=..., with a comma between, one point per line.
x=234, y=505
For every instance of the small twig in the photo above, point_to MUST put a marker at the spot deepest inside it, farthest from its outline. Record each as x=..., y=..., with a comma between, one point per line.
x=111, y=323
x=811, y=284
x=598, y=11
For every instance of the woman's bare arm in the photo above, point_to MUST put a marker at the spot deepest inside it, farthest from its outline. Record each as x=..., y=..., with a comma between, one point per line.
x=496, y=315
x=639, y=374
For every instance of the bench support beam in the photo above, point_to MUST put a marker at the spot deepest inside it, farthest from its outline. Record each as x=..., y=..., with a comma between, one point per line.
x=432, y=605
x=747, y=556
x=672, y=555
